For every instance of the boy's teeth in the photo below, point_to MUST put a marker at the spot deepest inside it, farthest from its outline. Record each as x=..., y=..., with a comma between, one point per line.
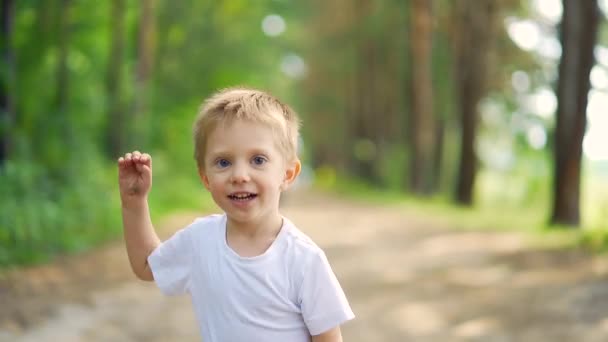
x=242, y=196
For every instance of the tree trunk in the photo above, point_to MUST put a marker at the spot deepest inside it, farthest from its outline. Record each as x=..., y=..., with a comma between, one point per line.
x=61, y=94
x=421, y=87
x=578, y=36
x=364, y=142
x=438, y=153
x=115, y=127
x=473, y=37
x=364, y=117
x=7, y=81
x=61, y=126
x=145, y=55
x=331, y=142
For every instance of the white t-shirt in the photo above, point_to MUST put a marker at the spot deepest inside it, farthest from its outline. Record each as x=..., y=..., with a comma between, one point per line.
x=286, y=294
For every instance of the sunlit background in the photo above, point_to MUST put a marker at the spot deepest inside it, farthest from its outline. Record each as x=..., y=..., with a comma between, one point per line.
x=85, y=86
x=434, y=176
x=538, y=35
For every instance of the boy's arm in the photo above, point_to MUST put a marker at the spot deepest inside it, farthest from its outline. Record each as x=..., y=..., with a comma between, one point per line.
x=332, y=335
x=135, y=181
x=140, y=237
x=323, y=303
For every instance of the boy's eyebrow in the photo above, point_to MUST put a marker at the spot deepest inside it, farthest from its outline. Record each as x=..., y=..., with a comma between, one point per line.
x=226, y=153
x=259, y=151
x=219, y=153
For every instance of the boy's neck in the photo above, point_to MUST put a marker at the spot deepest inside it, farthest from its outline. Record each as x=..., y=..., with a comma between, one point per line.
x=252, y=239
x=269, y=226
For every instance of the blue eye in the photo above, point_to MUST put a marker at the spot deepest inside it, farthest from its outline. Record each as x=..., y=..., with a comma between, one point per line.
x=222, y=163
x=258, y=160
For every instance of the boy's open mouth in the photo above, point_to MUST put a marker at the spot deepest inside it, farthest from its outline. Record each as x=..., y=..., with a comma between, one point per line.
x=242, y=196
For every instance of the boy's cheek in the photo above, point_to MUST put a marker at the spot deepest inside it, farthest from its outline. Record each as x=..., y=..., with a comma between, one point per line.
x=208, y=185
x=204, y=179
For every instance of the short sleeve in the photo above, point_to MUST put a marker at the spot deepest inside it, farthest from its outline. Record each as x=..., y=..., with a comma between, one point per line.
x=170, y=263
x=322, y=300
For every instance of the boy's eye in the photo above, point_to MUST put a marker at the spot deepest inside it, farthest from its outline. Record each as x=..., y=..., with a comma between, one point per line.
x=222, y=163
x=258, y=160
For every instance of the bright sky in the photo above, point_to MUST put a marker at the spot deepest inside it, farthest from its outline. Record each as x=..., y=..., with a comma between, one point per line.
x=530, y=36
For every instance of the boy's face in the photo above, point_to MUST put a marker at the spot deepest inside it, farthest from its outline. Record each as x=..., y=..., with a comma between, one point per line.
x=246, y=172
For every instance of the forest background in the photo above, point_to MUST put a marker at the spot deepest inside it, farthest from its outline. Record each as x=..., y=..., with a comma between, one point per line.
x=488, y=112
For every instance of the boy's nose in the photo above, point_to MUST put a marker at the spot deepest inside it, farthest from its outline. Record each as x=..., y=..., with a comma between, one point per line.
x=239, y=174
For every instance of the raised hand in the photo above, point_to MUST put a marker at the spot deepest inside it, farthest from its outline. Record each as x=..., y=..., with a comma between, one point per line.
x=134, y=175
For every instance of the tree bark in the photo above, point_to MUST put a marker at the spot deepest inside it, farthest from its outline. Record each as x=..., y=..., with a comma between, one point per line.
x=365, y=119
x=115, y=127
x=331, y=142
x=145, y=58
x=474, y=33
x=438, y=154
x=7, y=81
x=61, y=94
x=60, y=127
x=579, y=31
x=421, y=86
x=364, y=159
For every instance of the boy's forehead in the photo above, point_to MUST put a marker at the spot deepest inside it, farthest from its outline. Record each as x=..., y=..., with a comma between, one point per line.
x=265, y=121
x=248, y=136
x=262, y=131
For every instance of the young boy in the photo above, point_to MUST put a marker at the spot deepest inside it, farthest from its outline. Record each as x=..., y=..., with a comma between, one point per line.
x=251, y=274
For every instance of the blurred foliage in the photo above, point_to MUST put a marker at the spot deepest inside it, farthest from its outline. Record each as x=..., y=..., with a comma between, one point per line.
x=58, y=187
x=40, y=217
x=343, y=65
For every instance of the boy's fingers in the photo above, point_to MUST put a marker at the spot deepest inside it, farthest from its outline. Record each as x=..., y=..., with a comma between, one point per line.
x=146, y=159
x=135, y=158
x=142, y=168
x=124, y=163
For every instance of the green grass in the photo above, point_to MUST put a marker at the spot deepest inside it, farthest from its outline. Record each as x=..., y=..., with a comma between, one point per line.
x=530, y=218
x=41, y=218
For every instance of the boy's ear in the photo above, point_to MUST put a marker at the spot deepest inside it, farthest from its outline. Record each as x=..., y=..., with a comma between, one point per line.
x=291, y=173
x=204, y=178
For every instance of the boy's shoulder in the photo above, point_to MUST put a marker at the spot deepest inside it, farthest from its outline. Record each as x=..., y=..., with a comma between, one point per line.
x=300, y=243
x=204, y=224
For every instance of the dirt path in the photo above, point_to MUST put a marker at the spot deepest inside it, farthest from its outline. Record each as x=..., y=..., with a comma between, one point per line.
x=407, y=280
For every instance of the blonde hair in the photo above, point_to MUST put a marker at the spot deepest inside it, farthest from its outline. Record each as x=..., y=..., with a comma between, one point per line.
x=253, y=105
